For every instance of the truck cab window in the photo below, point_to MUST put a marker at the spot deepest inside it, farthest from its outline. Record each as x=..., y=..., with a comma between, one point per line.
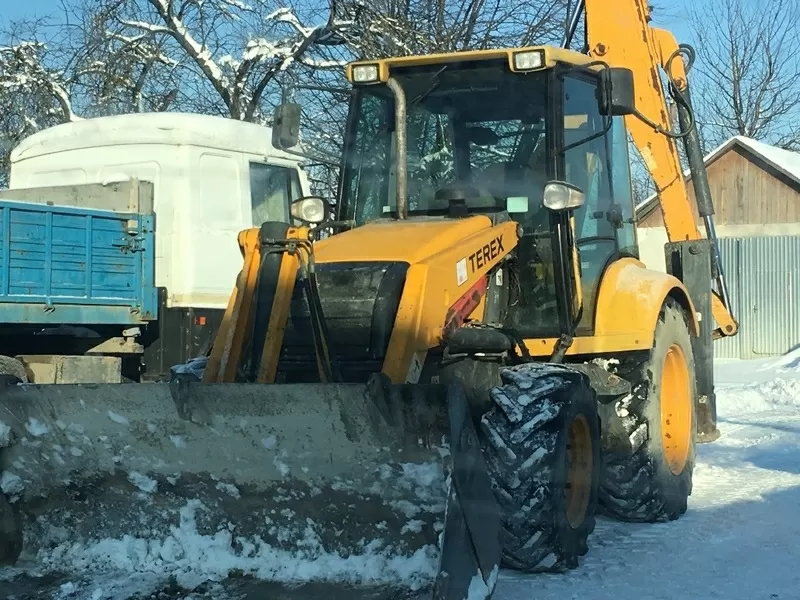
x=272, y=189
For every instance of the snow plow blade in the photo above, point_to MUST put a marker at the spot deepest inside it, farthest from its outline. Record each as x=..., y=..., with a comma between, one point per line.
x=374, y=486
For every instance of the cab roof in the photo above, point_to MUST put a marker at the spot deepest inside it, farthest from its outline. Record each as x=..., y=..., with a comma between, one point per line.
x=552, y=54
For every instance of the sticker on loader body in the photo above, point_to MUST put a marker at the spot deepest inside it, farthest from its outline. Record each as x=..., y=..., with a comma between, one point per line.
x=415, y=369
x=461, y=271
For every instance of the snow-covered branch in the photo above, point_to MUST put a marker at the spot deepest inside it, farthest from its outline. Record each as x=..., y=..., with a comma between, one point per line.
x=239, y=76
x=22, y=72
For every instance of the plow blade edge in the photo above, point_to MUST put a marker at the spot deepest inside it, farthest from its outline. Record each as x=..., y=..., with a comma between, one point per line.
x=360, y=485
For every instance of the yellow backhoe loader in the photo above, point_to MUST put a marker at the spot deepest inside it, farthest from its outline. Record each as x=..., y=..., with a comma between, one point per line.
x=460, y=376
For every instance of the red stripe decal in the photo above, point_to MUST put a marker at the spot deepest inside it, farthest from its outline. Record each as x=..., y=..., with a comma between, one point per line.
x=463, y=307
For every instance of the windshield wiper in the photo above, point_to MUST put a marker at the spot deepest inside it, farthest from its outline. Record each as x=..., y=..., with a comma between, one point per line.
x=434, y=84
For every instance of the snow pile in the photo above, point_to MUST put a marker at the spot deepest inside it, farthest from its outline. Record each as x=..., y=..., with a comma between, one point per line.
x=36, y=428
x=777, y=393
x=143, y=482
x=11, y=485
x=480, y=590
x=5, y=435
x=187, y=554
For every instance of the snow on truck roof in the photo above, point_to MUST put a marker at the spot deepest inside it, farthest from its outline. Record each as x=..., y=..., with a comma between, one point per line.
x=170, y=128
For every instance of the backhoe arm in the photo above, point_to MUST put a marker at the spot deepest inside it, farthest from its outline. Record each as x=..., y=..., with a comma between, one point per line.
x=619, y=34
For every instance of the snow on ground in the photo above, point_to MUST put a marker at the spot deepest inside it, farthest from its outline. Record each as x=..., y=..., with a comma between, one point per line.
x=740, y=539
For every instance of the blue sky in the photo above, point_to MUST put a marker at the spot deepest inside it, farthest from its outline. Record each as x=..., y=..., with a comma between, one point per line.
x=15, y=9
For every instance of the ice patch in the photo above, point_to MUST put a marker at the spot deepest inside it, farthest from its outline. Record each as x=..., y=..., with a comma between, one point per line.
x=143, y=482
x=269, y=442
x=178, y=441
x=415, y=526
x=11, y=484
x=229, y=489
x=117, y=418
x=480, y=590
x=282, y=467
x=36, y=428
x=67, y=589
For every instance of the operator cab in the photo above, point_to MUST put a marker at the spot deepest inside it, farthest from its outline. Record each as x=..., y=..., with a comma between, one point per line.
x=535, y=135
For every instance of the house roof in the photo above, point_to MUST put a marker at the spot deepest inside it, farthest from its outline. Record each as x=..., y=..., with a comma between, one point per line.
x=783, y=161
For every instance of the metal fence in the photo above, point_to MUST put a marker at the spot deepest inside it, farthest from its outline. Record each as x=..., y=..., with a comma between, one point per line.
x=763, y=275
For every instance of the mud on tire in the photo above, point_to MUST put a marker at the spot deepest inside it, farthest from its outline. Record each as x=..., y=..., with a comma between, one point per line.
x=638, y=484
x=525, y=437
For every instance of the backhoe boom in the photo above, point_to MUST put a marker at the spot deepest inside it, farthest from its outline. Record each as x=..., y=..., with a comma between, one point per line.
x=623, y=37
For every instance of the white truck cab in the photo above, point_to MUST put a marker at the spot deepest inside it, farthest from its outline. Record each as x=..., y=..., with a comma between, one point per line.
x=212, y=178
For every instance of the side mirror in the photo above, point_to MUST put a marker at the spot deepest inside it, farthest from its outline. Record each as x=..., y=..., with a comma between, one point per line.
x=561, y=196
x=309, y=209
x=286, y=125
x=616, y=92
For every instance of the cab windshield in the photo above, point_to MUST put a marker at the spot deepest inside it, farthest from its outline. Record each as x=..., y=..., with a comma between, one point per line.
x=477, y=124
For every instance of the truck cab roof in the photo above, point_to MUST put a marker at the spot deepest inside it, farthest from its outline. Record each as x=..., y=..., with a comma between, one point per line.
x=168, y=128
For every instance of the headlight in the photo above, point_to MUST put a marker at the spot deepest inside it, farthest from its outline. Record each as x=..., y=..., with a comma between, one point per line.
x=528, y=60
x=559, y=195
x=309, y=210
x=365, y=73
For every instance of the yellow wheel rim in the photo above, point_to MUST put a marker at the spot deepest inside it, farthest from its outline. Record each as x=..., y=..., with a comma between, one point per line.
x=676, y=409
x=579, y=471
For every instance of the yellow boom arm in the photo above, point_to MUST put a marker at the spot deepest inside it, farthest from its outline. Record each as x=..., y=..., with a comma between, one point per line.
x=620, y=35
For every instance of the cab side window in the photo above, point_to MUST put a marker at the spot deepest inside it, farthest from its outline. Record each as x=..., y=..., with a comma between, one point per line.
x=598, y=164
x=272, y=189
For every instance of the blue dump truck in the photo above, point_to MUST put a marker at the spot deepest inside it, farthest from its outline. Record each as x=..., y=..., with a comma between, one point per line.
x=78, y=298
x=118, y=241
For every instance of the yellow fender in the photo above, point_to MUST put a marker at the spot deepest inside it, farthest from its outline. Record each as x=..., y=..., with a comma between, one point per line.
x=630, y=299
x=628, y=303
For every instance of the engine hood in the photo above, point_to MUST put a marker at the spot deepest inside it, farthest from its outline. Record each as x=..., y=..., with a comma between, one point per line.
x=410, y=241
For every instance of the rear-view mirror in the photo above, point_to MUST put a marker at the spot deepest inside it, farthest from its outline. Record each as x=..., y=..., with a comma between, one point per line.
x=286, y=125
x=616, y=92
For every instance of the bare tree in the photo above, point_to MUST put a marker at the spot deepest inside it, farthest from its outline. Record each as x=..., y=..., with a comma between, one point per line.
x=229, y=51
x=234, y=58
x=747, y=71
x=104, y=57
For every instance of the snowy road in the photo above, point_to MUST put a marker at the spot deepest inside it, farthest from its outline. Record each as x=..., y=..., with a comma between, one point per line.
x=740, y=538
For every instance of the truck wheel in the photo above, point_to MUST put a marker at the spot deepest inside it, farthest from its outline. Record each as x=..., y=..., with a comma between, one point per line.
x=541, y=443
x=13, y=368
x=649, y=437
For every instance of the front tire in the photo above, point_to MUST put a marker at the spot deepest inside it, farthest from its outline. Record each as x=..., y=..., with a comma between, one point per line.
x=649, y=437
x=541, y=442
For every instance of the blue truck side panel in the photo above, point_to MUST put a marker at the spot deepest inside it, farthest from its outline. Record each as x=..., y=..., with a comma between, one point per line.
x=65, y=265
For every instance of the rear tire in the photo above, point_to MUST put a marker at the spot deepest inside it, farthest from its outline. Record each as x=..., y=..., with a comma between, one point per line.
x=541, y=443
x=649, y=453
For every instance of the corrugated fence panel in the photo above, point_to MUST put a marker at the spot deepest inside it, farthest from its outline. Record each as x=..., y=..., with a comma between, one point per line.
x=729, y=250
x=763, y=276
